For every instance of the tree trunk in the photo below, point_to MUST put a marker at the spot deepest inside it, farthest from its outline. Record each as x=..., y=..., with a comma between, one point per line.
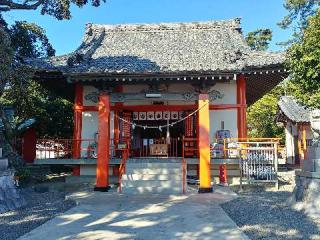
x=7, y=141
x=8, y=131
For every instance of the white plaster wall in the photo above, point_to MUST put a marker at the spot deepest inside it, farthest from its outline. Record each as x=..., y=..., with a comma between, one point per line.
x=170, y=88
x=229, y=90
x=229, y=117
x=89, y=124
x=180, y=87
x=90, y=127
x=87, y=90
x=135, y=88
x=290, y=132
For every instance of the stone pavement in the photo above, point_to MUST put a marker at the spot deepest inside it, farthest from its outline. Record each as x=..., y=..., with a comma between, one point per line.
x=117, y=216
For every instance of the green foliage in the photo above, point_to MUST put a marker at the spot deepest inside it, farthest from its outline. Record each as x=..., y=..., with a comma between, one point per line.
x=299, y=11
x=54, y=115
x=259, y=39
x=303, y=59
x=29, y=40
x=261, y=116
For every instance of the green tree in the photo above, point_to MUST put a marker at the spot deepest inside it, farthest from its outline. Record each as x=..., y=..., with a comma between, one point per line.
x=259, y=39
x=303, y=59
x=26, y=40
x=261, y=115
x=18, y=89
x=298, y=12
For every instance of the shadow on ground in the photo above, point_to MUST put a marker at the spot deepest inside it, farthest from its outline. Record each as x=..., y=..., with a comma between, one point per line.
x=117, y=216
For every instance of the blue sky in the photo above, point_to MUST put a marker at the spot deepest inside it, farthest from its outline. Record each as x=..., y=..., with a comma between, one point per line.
x=66, y=35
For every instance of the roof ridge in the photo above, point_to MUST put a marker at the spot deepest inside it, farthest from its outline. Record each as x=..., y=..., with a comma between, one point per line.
x=167, y=26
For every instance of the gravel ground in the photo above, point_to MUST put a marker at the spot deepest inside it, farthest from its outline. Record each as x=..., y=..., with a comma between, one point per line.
x=41, y=207
x=263, y=214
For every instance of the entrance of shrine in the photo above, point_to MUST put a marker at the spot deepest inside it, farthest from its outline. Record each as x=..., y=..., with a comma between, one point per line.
x=158, y=134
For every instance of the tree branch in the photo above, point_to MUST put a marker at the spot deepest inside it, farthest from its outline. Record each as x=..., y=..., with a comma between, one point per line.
x=6, y=5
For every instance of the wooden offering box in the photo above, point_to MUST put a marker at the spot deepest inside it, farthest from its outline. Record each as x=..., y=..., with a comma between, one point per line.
x=158, y=149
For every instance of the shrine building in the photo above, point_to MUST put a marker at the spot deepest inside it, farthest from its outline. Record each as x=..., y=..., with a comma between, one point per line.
x=166, y=92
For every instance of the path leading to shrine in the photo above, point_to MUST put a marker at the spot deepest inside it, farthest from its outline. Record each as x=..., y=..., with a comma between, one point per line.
x=116, y=216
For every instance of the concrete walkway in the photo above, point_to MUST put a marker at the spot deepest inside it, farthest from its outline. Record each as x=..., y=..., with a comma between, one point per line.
x=144, y=217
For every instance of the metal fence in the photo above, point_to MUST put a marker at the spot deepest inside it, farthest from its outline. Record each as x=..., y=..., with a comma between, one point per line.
x=258, y=160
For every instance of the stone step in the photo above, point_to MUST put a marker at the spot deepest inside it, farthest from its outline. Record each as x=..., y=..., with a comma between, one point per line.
x=154, y=160
x=152, y=183
x=153, y=165
x=135, y=177
x=164, y=171
x=152, y=190
x=152, y=177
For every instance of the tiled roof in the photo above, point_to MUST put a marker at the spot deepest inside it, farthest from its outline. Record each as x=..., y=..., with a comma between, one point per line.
x=167, y=47
x=293, y=110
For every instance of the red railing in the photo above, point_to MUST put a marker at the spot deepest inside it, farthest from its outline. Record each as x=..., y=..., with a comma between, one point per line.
x=64, y=148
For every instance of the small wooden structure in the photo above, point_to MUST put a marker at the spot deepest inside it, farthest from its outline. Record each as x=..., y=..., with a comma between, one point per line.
x=296, y=120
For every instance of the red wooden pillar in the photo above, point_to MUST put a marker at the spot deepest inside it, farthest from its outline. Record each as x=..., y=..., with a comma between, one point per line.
x=102, y=171
x=204, y=144
x=242, y=109
x=77, y=129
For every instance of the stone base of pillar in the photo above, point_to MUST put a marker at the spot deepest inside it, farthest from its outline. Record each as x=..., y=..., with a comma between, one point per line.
x=205, y=190
x=102, y=189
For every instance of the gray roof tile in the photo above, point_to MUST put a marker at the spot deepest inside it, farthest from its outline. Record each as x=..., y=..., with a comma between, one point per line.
x=166, y=47
x=294, y=110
